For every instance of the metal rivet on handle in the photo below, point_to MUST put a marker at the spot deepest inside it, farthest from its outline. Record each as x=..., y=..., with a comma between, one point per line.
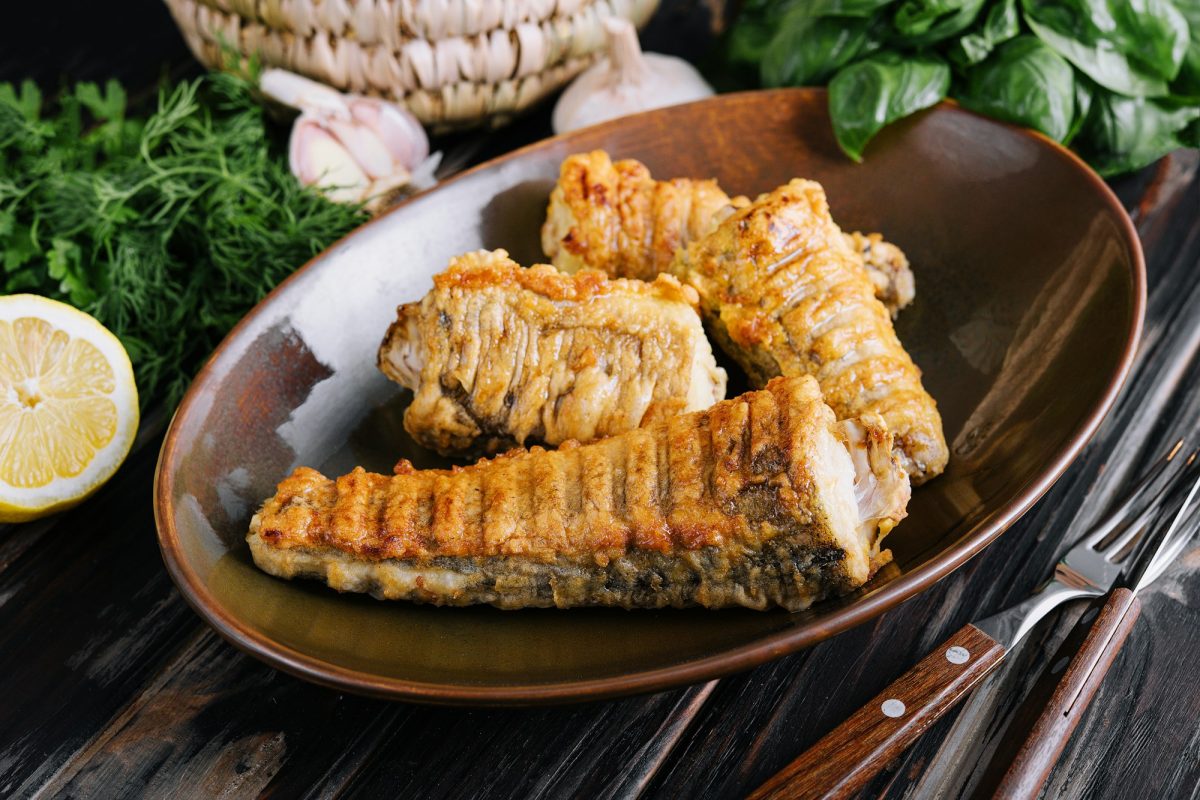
x=893, y=707
x=958, y=655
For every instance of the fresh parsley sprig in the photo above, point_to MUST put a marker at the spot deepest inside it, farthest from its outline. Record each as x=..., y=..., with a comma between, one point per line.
x=166, y=229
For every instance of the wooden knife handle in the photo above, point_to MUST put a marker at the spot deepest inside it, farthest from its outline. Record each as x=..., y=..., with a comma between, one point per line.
x=845, y=759
x=1110, y=619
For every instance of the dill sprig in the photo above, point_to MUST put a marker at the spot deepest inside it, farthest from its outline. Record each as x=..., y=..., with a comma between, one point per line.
x=166, y=229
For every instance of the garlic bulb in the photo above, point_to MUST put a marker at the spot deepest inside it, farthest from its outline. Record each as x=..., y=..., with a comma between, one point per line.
x=625, y=82
x=352, y=149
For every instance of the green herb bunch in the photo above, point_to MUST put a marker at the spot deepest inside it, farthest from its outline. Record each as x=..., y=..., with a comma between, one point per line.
x=166, y=229
x=1117, y=80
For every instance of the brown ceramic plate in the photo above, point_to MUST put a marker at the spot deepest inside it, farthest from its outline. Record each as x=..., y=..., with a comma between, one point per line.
x=1030, y=290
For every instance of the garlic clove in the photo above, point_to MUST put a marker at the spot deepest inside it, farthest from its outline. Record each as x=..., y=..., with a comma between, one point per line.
x=365, y=111
x=352, y=148
x=366, y=148
x=626, y=82
x=318, y=159
x=404, y=134
x=399, y=130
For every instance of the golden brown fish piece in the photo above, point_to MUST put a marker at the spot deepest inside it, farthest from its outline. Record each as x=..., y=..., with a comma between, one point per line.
x=498, y=355
x=616, y=218
x=784, y=294
x=762, y=500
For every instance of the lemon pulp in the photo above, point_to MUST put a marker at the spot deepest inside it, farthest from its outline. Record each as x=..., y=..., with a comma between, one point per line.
x=55, y=413
x=68, y=406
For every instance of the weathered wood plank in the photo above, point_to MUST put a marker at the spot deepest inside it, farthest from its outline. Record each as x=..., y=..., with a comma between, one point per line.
x=217, y=720
x=593, y=750
x=88, y=615
x=220, y=722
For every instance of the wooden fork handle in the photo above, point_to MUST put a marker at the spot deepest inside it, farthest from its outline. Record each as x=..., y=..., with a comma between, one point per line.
x=841, y=763
x=1094, y=641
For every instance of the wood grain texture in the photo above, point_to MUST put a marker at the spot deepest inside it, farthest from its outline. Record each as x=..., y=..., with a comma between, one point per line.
x=846, y=758
x=1075, y=673
x=112, y=687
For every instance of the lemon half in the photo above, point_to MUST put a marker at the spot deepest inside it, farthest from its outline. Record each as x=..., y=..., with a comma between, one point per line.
x=68, y=406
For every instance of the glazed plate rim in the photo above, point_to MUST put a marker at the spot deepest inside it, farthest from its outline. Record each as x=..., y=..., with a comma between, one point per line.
x=735, y=659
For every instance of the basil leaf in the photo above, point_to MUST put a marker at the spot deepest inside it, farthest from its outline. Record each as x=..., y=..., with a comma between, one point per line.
x=1084, y=20
x=1002, y=23
x=870, y=94
x=1187, y=83
x=748, y=40
x=1027, y=83
x=923, y=22
x=807, y=50
x=1083, y=103
x=845, y=8
x=1152, y=33
x=1127, y=133
x=757, y=23
x=1085, y=47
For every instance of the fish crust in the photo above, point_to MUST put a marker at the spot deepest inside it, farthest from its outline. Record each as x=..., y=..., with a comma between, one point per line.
x=784, y=294
x=614, y=217
x=498, y=355
x=752, y=503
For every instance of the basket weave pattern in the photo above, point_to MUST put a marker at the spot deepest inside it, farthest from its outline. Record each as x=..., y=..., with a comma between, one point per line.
x=454, y=63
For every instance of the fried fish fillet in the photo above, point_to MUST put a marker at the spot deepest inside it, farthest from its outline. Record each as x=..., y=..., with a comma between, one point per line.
x=614, y=217
x=498, y=355
x=784, y=294
x=760, y=501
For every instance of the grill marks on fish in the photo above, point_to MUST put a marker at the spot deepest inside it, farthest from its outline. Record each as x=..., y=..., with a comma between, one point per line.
x=737, y=505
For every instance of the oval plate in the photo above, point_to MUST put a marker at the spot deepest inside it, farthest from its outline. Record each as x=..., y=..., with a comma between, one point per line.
x=1030, y=293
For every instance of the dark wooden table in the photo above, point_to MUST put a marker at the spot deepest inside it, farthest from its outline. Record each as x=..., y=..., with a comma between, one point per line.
x=111, y=687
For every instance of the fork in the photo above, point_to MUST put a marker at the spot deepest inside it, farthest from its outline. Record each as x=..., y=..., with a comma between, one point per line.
x=1144, y=531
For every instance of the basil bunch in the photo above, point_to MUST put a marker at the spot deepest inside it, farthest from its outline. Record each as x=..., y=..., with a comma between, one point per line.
x=1117, y=80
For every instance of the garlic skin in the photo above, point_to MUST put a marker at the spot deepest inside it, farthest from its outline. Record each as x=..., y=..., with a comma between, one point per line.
x=625, y=82
x=352, y=149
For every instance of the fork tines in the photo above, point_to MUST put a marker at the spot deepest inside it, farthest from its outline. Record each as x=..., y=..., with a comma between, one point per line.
x=1130, y=514
x=1170, y=530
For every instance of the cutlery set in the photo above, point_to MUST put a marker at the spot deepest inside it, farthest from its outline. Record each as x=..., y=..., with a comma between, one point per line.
x=1133, y=544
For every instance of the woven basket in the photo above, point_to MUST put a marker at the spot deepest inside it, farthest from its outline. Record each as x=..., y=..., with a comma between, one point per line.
x=454, y=63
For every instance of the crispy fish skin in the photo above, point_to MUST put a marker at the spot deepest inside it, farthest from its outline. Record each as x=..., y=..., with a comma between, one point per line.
x=498, y=355
x=614, y=217
x=760, y=501
x=784, y=295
